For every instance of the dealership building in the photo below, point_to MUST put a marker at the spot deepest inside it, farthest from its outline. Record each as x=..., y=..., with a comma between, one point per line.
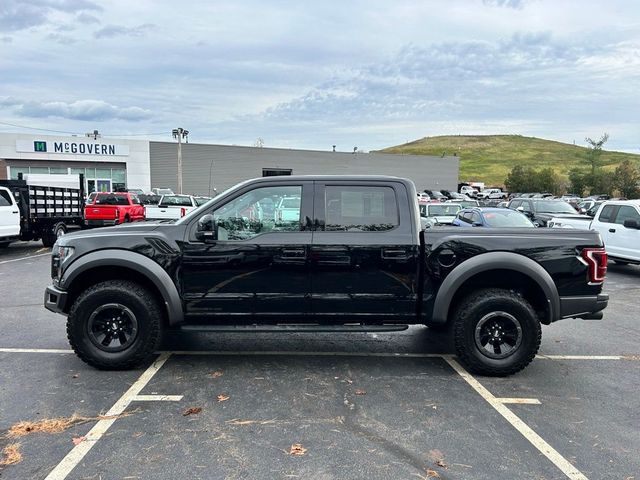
x=110, y=163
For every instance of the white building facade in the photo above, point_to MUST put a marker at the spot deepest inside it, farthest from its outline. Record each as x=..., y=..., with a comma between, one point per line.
x=107, y=164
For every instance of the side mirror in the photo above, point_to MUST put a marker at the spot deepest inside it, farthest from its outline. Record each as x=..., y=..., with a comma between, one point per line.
x=476, y=224
x=520, y=209
x=207, y=230
x=630, y=223
x=583, y=210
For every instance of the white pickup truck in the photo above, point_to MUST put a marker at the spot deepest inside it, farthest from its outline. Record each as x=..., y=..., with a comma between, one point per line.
x=9, y=218
x=170, y=207
x=618, y=223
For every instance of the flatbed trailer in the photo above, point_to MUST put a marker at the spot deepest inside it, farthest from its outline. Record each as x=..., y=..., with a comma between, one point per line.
x=50, y=205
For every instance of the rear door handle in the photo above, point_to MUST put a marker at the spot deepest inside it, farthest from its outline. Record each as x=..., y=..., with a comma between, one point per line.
x=612, y=230
x=16, y=211
x=394, y=254
x=294, y=253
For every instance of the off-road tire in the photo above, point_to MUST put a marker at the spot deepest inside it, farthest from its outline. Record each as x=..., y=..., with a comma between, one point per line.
x=484, y=302
x=140, y=301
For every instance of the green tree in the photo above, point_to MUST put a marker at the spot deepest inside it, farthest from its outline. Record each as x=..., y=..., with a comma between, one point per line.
x=626, y=179
x=595, y=151
x=600, y=183
x=547, y=180
x=578, y=181
x=517, y=180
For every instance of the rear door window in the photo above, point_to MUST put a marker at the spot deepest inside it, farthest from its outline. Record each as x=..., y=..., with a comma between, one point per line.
x=626, y=213
x=360, y=208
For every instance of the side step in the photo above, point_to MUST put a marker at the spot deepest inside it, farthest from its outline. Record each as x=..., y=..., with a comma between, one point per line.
x=293, y=328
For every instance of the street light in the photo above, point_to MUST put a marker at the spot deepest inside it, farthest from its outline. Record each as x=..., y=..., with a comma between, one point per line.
x=180, y=133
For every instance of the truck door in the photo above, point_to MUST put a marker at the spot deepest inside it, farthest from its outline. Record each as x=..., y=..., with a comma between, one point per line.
x=363, y=255
x=259, y=262
x=9, y=215
x=604, y=224
x=623, y=241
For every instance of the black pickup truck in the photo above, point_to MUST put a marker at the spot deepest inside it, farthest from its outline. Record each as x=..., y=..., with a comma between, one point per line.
x=322, y=253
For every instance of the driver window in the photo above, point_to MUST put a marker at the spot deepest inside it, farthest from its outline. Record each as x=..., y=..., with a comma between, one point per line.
x=263, y=210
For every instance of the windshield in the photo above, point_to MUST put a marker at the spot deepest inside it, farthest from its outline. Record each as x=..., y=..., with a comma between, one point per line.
x=506, y=218
x=442, y=210
x=554, y=206
x=175, y=200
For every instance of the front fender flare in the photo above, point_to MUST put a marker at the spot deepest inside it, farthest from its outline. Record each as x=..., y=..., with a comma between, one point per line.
x=135, y=261
x=495, y=261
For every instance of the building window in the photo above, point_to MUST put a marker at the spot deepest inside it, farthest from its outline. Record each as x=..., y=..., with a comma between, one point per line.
x=274, y=172
x=59, y=170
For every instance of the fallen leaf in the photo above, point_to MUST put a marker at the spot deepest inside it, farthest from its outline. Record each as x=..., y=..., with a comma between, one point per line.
x=216, y=374
x=191, y=411
x=359, y=391
x=75, y=375
x=297, y=449
x=11, y=454
x=441, y=463
x=56, y=425
x=432, y=474
x=222, y=397
x=78, y=440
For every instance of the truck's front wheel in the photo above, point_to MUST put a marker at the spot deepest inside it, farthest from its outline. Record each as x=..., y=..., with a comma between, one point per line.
x=496, y=332
x=115, y=325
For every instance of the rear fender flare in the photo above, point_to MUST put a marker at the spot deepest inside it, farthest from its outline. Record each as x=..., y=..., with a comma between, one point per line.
x=495, y=261
x=135, y=261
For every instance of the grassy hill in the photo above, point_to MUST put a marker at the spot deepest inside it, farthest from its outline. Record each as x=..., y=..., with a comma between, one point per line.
x=489, y=158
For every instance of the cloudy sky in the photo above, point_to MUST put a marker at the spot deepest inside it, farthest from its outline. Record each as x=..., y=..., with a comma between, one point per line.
x=304, y=74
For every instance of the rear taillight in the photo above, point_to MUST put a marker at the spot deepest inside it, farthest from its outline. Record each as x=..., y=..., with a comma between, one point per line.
x=596, y=259
x=183, y=212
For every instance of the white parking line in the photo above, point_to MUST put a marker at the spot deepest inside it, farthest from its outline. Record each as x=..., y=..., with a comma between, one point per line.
x=34, y=350
x=580, y=357
x=24, y=258
x=157, y=398
x=519, y=401
x=78, y=452
x=527, y=432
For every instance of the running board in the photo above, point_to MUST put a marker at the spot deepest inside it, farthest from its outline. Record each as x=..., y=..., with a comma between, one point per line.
x=292, y=328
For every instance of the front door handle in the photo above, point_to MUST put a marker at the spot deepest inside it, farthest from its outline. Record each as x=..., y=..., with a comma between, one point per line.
x=612, y=230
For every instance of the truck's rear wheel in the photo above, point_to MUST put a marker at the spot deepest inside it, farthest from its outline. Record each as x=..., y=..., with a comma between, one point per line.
x=115, y=325
x=496, y=332
x=49, y=238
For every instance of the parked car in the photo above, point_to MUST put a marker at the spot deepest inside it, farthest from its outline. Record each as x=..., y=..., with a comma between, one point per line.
x=618, y=223
x=170, y=207
x=467, y=203
x=9, y=218
x=493, y=193
x=491, y=217
x=201, y=200
x=468, y=190
x=113, y=209
x=438, y=214
x=540, y=211
x=362, y=264
x=436, y=195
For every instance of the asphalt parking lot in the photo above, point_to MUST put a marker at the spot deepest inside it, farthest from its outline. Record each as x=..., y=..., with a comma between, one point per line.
x=318, y=406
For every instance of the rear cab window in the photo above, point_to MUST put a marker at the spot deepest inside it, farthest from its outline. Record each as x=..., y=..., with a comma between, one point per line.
x=360, y=208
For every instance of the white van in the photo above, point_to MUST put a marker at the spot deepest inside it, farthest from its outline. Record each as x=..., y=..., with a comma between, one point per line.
x=9, y=218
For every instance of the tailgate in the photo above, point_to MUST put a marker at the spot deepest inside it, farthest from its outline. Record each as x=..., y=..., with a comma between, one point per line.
x=100, y=212
x=162, y=212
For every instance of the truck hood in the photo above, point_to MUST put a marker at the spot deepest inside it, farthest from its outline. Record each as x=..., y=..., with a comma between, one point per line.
x=446, y=219
x=136, y=227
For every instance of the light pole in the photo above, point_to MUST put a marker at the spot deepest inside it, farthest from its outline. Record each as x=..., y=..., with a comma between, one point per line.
x=180, y=133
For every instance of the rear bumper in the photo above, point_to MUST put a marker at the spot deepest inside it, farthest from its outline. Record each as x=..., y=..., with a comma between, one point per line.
x=586, y=307
x=55, y=299
x=101, y=223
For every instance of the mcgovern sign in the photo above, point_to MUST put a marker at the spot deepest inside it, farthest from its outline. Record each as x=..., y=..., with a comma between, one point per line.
x=72, y=148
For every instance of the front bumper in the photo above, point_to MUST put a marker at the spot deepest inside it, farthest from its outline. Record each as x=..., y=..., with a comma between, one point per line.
x=55, y=299
x=586, y=307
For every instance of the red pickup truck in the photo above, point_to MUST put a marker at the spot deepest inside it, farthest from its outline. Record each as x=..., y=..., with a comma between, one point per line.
x=113, y=209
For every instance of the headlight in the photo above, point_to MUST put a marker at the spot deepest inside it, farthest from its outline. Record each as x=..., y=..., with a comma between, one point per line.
x=59, y=255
